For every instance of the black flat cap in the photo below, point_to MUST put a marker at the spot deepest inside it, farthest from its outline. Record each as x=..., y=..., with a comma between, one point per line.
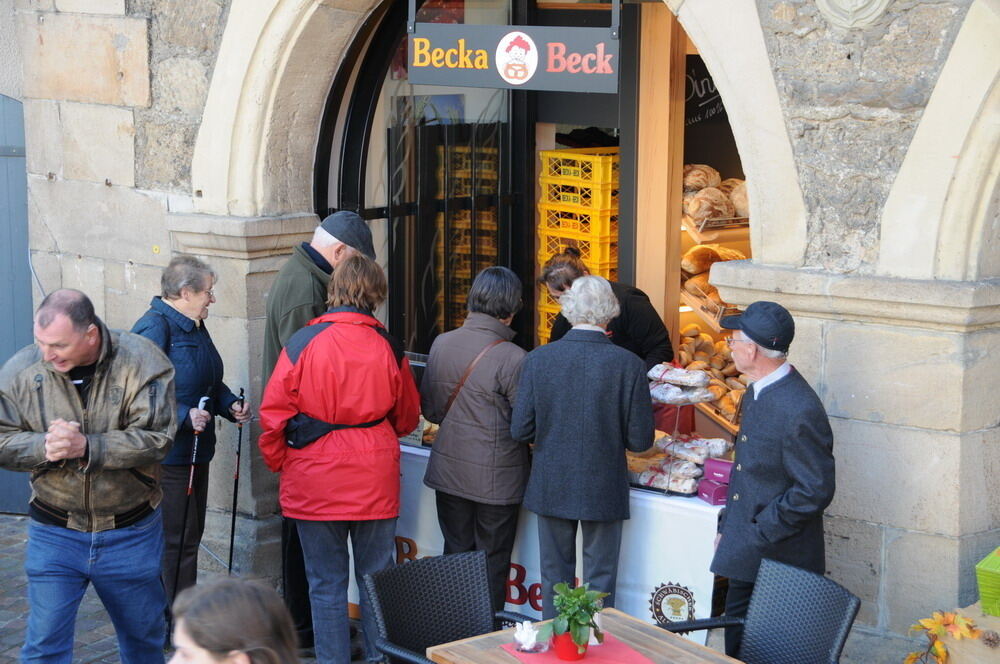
x=351, y=229
x=767, y=324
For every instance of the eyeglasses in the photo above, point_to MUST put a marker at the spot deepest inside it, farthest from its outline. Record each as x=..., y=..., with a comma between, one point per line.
x=733, y=340
x=211, y=293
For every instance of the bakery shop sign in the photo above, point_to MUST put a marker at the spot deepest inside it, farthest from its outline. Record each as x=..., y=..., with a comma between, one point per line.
x=513, y=57
x=670, y=603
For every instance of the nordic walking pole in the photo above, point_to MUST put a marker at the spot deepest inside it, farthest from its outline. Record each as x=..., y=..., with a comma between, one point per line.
x=236, y=483
x=187, y=504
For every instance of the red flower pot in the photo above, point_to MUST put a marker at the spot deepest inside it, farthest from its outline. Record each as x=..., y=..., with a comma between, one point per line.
x=566, y=649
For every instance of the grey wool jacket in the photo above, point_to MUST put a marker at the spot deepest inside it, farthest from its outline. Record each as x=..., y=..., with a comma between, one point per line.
x=782, y=480
x=583, y=401
x=474, y=456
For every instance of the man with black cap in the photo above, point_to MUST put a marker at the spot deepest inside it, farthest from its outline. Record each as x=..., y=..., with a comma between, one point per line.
x=297, y=296
x=783, y=477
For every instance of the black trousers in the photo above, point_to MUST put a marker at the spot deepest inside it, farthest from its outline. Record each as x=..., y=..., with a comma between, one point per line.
x=557, y=551
x=182, y=540
x=737, y=602
x=471, y=526
x=295, y=583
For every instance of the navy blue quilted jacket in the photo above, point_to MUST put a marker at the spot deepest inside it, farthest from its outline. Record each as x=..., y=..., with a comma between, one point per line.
x=198, y=369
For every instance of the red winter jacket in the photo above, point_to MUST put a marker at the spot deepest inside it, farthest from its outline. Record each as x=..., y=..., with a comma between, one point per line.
x=338, y=369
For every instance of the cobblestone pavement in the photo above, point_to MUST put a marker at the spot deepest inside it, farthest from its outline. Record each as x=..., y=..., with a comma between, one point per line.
x=95, y=636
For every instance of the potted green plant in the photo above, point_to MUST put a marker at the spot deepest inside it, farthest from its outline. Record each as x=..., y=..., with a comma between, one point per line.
x=570, y=629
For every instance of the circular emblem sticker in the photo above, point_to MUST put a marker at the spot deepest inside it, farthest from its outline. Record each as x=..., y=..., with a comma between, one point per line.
x=516, y=58
x=671, y=603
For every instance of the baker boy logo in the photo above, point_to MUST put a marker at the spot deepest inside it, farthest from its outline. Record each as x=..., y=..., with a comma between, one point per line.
x=516, y=58
x=671, y=603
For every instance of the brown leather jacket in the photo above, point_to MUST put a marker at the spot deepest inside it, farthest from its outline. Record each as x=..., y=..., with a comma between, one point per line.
x=474, y=456
x=129, y=422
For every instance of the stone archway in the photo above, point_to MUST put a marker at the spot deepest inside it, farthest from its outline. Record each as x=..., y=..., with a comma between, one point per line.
x=256, y=145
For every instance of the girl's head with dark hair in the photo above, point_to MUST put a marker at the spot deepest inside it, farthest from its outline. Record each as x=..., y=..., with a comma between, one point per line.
x=560, y=271
x=233, y=621
x=496, y=292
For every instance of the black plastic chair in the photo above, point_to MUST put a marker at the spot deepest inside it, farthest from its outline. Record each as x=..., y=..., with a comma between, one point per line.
x=432, y=601
x=795, y=617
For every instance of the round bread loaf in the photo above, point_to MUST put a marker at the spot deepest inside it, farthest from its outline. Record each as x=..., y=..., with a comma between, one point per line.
x=699, y=176
x=727, y=185
x=741, y=204
x=710, y=203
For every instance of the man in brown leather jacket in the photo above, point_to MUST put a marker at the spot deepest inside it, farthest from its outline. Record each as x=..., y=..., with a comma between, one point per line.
x=90, y=413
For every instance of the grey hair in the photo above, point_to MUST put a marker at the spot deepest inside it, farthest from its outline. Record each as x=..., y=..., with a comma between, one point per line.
x=768, y=352
x=321, y=238
x=185, y=272
x=496, y=292
x=589, y=301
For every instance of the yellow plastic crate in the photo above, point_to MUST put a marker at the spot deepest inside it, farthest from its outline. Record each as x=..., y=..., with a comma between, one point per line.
x=486, y=220
x=547, y=316
x=543, y=337
x=571, y=219
x=462, y=183
x=460, y=157
x=590, y=196
x=593, y=250
x=590, y=165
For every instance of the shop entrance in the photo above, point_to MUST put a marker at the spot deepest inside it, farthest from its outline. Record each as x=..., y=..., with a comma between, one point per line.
x=453, y=179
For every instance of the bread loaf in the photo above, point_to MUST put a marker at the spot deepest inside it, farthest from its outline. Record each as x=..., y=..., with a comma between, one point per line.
x=699, y=176
x=701, y=257
x=698, y=366
x=702, y=356
x=718, y=392
x=738, y=197
x=698, y=285
x=717, y=362
x=684, y=357
x=727, y=185
x=734, y=384
x=730, y=369
x=690, y=330
x=727, y=406
x=710, y=203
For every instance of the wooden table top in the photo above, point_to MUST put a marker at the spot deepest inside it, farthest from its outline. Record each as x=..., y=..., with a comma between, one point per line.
x=656, y=643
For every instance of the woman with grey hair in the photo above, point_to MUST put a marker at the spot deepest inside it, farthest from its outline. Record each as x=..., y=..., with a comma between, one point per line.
x=477, y=469
x=583, y=401
x=175, y=322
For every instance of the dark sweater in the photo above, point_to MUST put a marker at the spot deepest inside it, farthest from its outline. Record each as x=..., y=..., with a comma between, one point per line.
x=638, y=328
x=782, y=481
x=583, y=401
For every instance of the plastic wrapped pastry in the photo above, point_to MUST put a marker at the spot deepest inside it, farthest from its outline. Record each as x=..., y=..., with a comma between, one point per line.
x=665, y=373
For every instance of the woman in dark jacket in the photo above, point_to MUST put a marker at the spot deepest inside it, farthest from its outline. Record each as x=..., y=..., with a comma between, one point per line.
x=477, y=469
x=175, y=323
x=583, y=401
x=638, y=328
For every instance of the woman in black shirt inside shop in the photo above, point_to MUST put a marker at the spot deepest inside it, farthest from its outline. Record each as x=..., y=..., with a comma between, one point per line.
x=638, y=328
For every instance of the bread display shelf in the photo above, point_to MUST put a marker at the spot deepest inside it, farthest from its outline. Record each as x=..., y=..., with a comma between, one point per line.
x=717, y=417
x=710, y=312
x=716, y=230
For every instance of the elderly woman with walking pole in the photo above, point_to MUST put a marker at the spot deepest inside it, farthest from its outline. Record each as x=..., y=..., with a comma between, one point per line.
x=583, y=401
x=175, y=322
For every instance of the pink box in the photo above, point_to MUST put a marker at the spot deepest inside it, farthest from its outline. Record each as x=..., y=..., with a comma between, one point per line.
x=713, y=493
x=718, y=470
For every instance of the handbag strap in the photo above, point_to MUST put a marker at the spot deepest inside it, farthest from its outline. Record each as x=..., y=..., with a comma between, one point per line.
x=468, y=372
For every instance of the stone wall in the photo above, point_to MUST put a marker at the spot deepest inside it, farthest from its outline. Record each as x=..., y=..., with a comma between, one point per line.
x=10, y=52
x=852, y=100
x=184, y=41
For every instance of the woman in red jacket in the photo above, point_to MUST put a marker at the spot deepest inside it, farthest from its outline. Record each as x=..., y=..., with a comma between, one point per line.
x=340, y=397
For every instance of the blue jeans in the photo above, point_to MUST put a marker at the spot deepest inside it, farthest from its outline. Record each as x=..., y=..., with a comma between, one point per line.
x=124, y=566
x=324, y=546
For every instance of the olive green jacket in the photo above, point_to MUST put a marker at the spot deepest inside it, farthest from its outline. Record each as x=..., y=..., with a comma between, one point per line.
x=129, y=421
x=297, y=295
